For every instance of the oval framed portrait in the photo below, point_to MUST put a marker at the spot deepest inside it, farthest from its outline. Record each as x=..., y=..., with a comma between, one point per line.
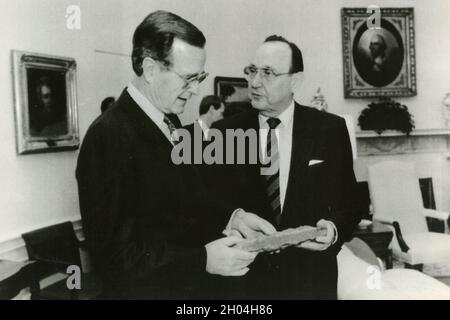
x=378, y=61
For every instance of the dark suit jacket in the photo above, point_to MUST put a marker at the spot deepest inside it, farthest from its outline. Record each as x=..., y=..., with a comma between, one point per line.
x=198, y=141
x=192, y=127
x=323, y=191
x=146, y=220
x=198, y=144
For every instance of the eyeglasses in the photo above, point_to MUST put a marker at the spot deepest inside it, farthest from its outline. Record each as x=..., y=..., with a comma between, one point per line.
x=266, y=74
x=189, y=79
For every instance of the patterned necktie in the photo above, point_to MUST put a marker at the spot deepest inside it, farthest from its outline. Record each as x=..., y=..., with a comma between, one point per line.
x=173, y=123
x=273, y=180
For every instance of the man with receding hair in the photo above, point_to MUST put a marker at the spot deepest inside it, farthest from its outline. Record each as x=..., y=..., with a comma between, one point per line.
x=311, y=181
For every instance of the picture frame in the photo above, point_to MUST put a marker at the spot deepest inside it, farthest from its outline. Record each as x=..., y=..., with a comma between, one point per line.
x=379, y=62
x=45, y=102
x=234, y=93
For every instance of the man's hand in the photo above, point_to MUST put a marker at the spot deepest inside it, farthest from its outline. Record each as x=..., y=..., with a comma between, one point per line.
x=250, y=226
x=321, y=243
x=224, y=260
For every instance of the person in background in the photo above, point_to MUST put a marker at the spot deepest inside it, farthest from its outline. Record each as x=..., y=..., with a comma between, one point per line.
x=211, y=110
x=107, y=103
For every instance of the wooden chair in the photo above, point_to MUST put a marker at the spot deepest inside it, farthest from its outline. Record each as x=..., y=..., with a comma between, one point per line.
x=14, y=276
x=54, y=249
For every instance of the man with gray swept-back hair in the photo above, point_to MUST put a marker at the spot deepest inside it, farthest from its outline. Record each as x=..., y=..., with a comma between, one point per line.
x=149, y=231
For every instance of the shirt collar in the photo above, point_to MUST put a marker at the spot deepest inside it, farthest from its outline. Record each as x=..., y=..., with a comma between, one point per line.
x=285, y=117
x=156, y=115
x=202, y=124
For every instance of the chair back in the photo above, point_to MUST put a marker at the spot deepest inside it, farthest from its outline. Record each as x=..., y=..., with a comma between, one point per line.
x=54, y=248
x=54, y=244
x=395, y=193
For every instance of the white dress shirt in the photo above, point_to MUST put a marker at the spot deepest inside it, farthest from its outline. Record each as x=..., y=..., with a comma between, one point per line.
x=204, y=126
x=283, y=133
x=156, y=115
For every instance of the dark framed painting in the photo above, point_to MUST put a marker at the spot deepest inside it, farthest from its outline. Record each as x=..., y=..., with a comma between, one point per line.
x=379, y=62
x=234, y=94
x=45, y=99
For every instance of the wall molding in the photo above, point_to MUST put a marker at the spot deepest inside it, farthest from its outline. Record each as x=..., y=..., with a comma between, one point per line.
x=13, y=247
x=370, y=143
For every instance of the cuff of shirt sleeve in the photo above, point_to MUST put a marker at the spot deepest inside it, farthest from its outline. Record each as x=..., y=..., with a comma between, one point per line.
x=335, y=233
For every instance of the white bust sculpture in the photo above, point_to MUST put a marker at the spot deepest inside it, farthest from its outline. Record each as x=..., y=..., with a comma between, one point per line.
x=446, y=103
x=319, y=102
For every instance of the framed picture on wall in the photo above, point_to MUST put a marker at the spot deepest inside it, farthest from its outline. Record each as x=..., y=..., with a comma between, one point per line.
x=45, y=99
x=234, y=93
x=379, y=61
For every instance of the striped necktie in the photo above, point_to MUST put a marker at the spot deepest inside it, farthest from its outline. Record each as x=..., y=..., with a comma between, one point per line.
x=173, y=123
x=273, y=180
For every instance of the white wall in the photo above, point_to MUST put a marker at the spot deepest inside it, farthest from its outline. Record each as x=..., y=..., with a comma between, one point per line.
x=38, y=190
x=234, y=28
x=41, y=189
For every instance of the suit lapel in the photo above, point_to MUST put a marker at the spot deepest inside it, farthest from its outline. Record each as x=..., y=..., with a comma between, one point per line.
x=302, y=147
x=146, y=128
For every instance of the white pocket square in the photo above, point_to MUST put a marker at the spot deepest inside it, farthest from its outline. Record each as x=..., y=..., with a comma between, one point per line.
x=314, y=162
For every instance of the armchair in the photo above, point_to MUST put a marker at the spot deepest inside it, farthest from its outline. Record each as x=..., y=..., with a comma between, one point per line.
x=361, y=277
x=397, y=201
